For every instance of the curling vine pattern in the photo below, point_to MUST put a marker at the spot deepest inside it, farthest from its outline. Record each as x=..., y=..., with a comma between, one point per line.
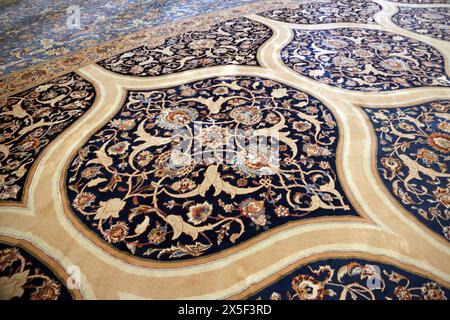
x=413, y=159
x=352, y=279
x=132, y=187
x=232, y=42
x=365, y=60
x=31, y=120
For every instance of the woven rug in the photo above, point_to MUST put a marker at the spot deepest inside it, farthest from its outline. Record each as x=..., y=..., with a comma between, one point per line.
x=293, y=150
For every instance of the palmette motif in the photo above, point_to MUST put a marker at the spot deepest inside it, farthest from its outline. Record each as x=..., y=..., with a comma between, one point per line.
x=133, y=186
x=31, y=120
x=352, y=279
x=232, y=42
x=365, y=60
x=433, y=22
x=361, y=11
x=22, y=276
x=413, y=159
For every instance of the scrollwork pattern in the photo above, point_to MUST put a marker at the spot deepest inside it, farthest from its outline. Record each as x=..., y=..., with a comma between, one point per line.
x=232, y=42
x=433, y=22
x=22, y=276
x=361, y=11
x=365, y=60
x=135, y=190
x=413, y=159
x=352, y=279
x=31, y=120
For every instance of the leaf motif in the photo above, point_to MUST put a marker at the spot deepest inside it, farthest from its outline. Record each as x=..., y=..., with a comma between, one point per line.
x=95, y=182
x=137, y=211
x=142, y=226
x=102, y=158
x=5, y=150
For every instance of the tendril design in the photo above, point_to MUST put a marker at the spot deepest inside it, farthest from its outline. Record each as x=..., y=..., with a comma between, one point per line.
x=365, y=60
x=232, y=42
x=30, y=121
x=132, y=186
x=413, y=159
x=22, y=276
x=352, y=279
x=361, y=11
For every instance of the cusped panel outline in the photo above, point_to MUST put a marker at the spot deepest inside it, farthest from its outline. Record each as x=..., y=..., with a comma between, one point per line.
x=411, y=158
x=350, y=278
x=30, y=122
x=111, y=182
x=342, y=11
x=366, y=60
x=26, y=273
x=232, y=42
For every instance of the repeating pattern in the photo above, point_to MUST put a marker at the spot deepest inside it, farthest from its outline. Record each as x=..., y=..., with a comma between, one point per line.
x=24, y=277
x=433, y=22
x=365, y=60
x=39, y=31
x=352, y=279
x=31, y=120
x=224, y=175
x=361, y=11
x=413, y=159
x=133, y=186
x=233, y=42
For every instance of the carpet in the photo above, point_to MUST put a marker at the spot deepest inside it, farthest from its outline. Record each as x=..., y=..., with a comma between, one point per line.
x=226, y=150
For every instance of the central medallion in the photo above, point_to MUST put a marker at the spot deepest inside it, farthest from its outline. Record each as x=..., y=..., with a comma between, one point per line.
x=192, y=170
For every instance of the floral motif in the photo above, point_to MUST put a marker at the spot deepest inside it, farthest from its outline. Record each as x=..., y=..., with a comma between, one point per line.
x=360, y=11
x=24, y=277
x=232, y=42
x=365, y=60
x=189, y=18
x=352, y=279
x=31, y=120
x=48, y=36
x=157, y=199
x=433, y=22
x=413, y=159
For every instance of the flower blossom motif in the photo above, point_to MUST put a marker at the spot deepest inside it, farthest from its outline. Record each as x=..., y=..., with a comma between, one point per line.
x=246, y=115
x=184, y=185
x=117, y=232
x=255, y=210
x=157, y=234
x=402, y=293
x=281, y=211
x=123, y=124
x=50, y=290
x=199, y=213
x=302, y=126
x=308, y=288
x=431, y=291
x=83, y=200
x=176, y=118
x=442, y=195
x=118, y=148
